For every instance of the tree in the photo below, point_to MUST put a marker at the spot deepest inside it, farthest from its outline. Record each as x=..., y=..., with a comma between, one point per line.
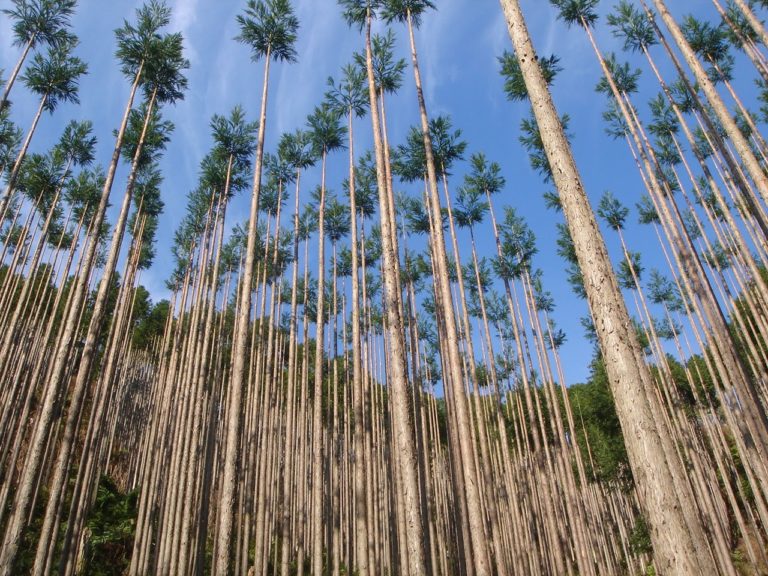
x=296, y=148
x=136, y=47
x=10, y=140
x=268, y=28
x=349, y=98
x=629, y=376
x=144, y=139
x=740, y=143
x=411, y=12
x=37, y=22
x=327, y=135
x=54, y=78
x=75, y=149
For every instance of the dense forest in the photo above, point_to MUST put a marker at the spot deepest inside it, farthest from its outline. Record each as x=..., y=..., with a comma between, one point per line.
x=364, y=376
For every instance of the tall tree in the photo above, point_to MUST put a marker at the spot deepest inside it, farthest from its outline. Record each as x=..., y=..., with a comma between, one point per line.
x=268, y=28
x=349, y=98
x=137, y=45
x=145, y=138
x=675, y=551
x=37, y=22
x=327, y=135
x=411, y=12
x=362, y=13
x=297, y=149
x=75, y=148
x=740, y=142
x=55, y=79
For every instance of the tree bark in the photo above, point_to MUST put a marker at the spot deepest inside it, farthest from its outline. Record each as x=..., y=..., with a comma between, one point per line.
x=55, y=382
x=630, y=379
x=239, y=355
x=740, y=143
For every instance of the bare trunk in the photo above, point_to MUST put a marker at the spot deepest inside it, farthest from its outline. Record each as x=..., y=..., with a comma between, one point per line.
x=317, y=400
x=239, y=354
x=56, y=381
x=16, y=69
x=629, y=378
x=479, y=554
x=741, y=144
x=14, y=174
x=403, y=442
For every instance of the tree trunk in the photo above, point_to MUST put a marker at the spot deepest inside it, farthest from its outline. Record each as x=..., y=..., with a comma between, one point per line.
x=16, y=69
x=239, y=357
x=753, y=20
x=708, y=87
x=479, y=554
x=629, y=378
x=55, y=383
x=317, y=400
x=361, y=520
x=86, y=358
x=14, y=174
x=397, y=372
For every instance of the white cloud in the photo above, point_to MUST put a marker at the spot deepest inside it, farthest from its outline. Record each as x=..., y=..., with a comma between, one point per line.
x=497, y=36
x=5, y=43
x=300, y=86
x=8, y=54
x=184, y=16
x=220, y=83
x=438, y=28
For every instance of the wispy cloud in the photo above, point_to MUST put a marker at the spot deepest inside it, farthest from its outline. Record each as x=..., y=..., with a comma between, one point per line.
x=300, y=86
x=7, y=53
x=184, y=16
x=496, y=35
x=439, y=65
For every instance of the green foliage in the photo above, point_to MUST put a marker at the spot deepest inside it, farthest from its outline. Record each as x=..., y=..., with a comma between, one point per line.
x=356, y=12
x=710, y=42
x=55, y=76
x=531, y=140
x=111, y=526
x=149, y=320
x=612, y=211
x=577, y=12
x=136, y=43
x=633, y=26
x=387, y=71
x=404, y=10
x=269, y=28
x=41, y=21
x=598, y=424
x=514, y=82
x=640, y=538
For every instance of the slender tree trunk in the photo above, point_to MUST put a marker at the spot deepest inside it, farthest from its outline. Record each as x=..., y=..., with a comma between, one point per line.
x=239, y=356
x=317, y=400
x=414, y=555
x=56, y=381
x=741, y=144
x=14, y=174
x=361, y=520
x=629, y=378
x=479, y=554
x=16, y=69
x=86, y=357
x=754, y=21
x=290, y=426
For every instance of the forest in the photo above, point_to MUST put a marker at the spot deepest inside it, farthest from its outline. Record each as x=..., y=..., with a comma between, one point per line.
x=357, y=360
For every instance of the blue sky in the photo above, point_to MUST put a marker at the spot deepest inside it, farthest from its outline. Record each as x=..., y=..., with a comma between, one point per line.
x=458, y=45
